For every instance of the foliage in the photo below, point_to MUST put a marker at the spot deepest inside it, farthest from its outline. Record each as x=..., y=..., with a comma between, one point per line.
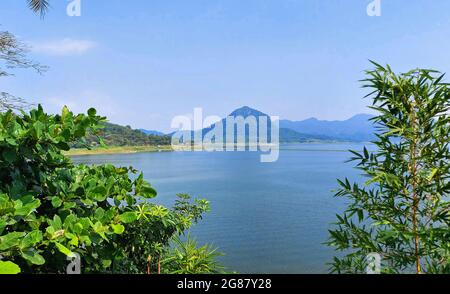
x=51, y=208
x=150, y=235
x=187, y=258
x=403, y=210
x=116, y=135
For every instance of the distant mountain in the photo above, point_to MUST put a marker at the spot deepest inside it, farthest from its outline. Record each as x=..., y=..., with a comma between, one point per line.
x=286, y=135
x=358, y=128
x=151, y=132
x=246, y=111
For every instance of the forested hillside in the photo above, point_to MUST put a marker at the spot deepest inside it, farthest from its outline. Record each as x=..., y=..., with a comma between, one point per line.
x=117, y=135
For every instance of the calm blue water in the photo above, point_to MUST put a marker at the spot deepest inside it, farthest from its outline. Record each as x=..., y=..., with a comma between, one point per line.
x=266, y=217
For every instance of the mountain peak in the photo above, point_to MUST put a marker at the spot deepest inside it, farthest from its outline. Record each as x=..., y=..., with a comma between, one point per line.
x=311, y=119
x=246, y=111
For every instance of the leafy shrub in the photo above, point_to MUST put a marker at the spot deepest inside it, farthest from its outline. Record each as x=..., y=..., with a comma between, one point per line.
x=148, y=238
x=188, y=258
x=51, y=208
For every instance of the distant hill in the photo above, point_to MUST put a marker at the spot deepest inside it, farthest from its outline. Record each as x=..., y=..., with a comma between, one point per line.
x=117, y=135
x=286, y=135
x=357, y=128
x=151, y=132
x=291, y=136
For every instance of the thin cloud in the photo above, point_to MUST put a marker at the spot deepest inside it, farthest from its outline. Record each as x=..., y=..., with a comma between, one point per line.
x=63, y=47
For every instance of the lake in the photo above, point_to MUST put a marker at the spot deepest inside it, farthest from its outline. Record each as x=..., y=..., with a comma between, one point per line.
x=265, y=217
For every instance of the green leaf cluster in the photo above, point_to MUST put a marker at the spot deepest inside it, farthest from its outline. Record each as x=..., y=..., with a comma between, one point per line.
x=51, y=208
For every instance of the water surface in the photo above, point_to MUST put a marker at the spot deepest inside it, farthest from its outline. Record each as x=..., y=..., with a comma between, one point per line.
x=266, y=217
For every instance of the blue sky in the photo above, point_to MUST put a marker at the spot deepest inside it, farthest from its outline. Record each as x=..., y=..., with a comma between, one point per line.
x=142, y=62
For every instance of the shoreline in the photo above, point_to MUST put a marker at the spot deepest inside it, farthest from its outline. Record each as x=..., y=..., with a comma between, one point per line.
x=168, y=148
x=117, y=150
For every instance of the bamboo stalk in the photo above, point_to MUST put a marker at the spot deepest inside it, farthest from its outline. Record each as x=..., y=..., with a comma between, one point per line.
x=413, y=168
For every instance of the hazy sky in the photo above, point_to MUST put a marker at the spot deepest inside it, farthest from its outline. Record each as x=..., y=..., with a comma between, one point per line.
x=142, y=62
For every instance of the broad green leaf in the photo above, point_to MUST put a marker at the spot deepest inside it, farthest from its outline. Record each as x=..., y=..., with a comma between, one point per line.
x=100, y=229
x=33, y=256
x=11, y=141
x=69, y=205
x=78, y=228
x=31, y=239
x=86, y=240
x=63, y=249
x=28, y=208
x=50, y=231
x=74, y=242
x=118, y=228
x=147, y=191
x=56, y=201
x=99, y=213
x=69, y=221
x=128, y=217
x=99, y=193
x=9, y=268
x=10, y=240
x=56, y=222
x=106, y=263
x=38, y=129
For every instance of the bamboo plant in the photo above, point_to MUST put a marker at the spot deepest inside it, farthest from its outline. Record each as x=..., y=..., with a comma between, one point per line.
x=402, y=212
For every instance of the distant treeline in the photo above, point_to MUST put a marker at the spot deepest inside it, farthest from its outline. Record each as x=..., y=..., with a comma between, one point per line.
x=116, y=135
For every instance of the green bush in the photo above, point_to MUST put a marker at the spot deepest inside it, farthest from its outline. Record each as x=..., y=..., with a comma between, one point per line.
x=51, y=208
